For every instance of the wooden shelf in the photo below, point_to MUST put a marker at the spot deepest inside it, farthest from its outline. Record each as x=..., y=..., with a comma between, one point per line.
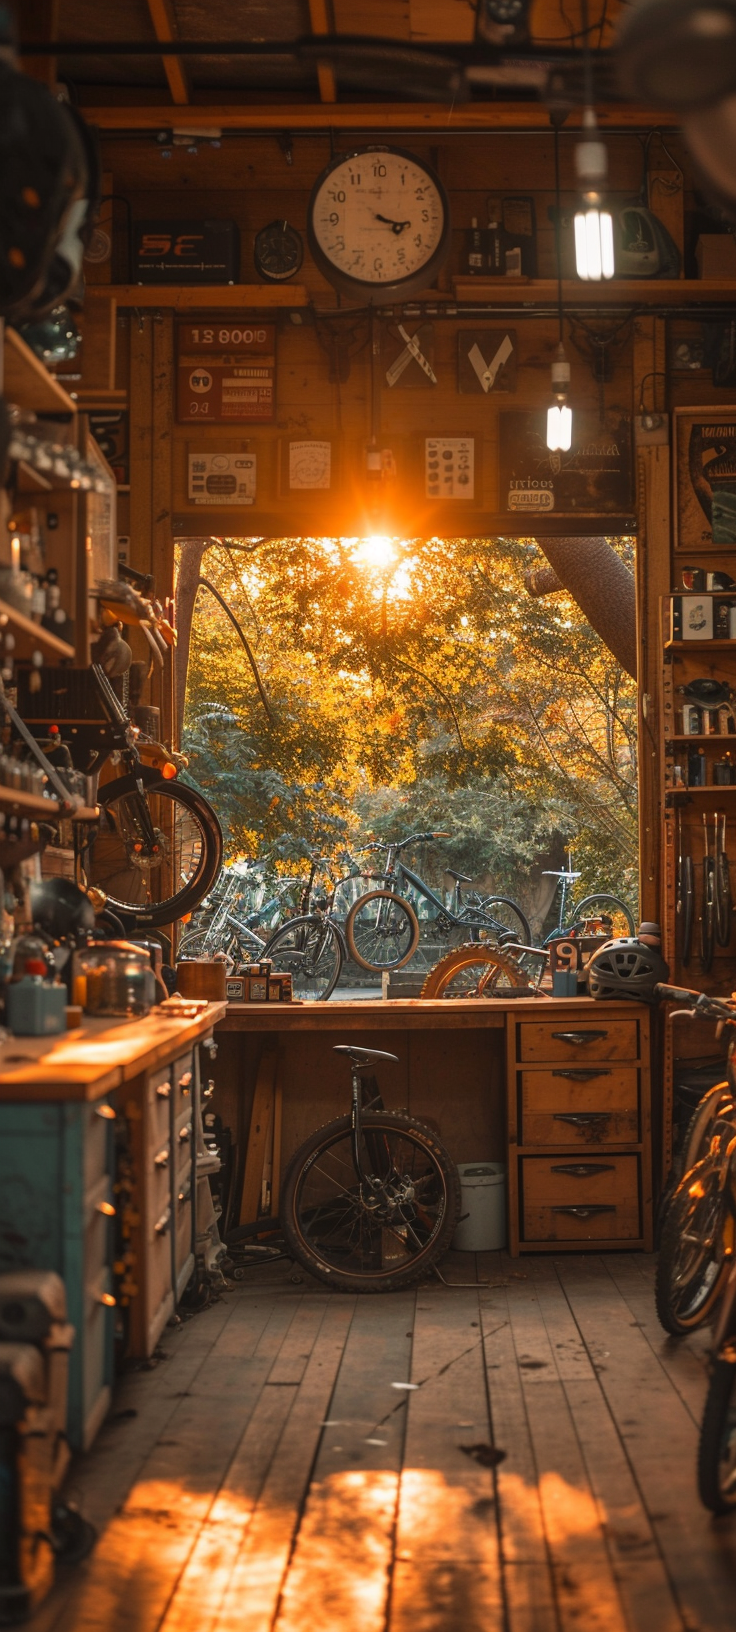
x=613, y=292
x=700, y=645
x=29, y=480
x=714, y=788
x=378, y=118
x=28, y=383
x=714, y=736
x=31, y=637
x=20, y=803
x=185, y=297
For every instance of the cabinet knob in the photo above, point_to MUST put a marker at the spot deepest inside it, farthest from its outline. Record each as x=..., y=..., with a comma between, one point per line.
x=185, y=1133
x=106, y=1112
x=106, y=1208
x=162, y=1159
x=164, y=1090
x=185, y=1082
x=106, y=1299
x=163, y=1224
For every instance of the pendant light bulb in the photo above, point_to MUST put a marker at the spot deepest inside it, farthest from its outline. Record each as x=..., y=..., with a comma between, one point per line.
x=559, y=415
x=593, y=224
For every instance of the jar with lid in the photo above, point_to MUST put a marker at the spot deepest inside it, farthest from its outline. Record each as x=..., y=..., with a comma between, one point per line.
x=113, y=977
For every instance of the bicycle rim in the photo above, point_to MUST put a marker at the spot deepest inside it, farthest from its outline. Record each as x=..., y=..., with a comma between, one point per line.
x=309, y=950
x=505, y=918
x=691, y=1264
x=382, y=931
x=472, y=971
x=161, y=889
x=717, y=1449
x=346, y=1231
x=603, y=905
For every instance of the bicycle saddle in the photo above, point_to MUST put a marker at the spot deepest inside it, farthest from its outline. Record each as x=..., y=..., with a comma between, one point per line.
x=550, y=873
x=460, y=878
x=363, y=1056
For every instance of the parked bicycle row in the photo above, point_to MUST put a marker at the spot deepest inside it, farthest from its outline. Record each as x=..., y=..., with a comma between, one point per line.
x=373, y=911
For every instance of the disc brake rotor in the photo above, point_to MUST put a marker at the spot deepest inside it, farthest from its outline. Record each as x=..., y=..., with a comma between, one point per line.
x=147, y=861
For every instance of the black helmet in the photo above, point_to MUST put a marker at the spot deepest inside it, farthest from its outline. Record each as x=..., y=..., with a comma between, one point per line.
x=626, y=968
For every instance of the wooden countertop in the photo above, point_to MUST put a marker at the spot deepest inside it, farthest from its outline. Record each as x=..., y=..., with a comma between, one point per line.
x=411, y=1014
x=86, y=1063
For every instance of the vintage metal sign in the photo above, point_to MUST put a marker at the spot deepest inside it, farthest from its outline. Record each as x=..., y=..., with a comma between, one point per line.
x=225, y=372
x=593, y=478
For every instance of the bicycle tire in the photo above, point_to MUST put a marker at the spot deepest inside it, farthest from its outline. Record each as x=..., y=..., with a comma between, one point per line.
x=367, y=902
x=305, y=1162
x=708, y=915
x=289, y=957
x=718, y=1433
x=688, y=905
x=724, y=903
x=208, y=862
x=512, y=910
x=602, y=904
x=694, y=1147
x=689, y=1282
x=474, y=954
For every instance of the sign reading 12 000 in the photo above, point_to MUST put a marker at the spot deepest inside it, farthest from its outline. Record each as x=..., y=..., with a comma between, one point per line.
x=378, y=223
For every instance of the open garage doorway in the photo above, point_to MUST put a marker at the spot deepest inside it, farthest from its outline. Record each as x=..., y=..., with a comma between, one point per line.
x=349, y=692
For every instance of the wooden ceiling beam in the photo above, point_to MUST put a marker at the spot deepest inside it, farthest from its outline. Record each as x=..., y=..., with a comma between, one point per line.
x=321, y=24
x=373, y=116
x=164, y=23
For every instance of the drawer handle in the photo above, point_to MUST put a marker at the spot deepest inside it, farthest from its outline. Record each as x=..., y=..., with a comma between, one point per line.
x=583, y=1212
x=162, y=1160
x=106, y=1299
x=581, y=1119
x=106, y=1112
x=163, y=1224
x=185, y=1193
x=582, y=1076
x=579, y=1038
x=164, y=1090
x=185, y=1082
x=106, y=1208
x=185, y=1133
x=584, y=1170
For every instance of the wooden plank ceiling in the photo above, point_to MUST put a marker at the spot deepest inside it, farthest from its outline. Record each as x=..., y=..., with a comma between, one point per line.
x=553, y=23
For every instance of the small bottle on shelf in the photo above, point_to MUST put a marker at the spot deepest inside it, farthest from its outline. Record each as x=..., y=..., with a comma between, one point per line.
x=475, y=249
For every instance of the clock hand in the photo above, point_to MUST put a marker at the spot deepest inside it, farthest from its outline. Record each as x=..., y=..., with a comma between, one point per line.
x=397, y=227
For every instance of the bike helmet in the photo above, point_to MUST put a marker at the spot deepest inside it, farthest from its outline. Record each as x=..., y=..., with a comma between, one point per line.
x=626, y=968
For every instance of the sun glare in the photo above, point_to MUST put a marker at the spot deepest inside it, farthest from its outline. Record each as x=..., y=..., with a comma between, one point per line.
x=375, y=551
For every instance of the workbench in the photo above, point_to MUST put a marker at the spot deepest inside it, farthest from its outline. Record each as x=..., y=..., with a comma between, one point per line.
x=558, y=1089
x=65, y=1103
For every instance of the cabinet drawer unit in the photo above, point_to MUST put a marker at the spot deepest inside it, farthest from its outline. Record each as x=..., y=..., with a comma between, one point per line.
x=580, y=1105
x=579, y=1127
x=576, y=1041
x=580, y=1199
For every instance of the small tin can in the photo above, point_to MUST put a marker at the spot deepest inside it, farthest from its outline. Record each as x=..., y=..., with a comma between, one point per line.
x=691, y=720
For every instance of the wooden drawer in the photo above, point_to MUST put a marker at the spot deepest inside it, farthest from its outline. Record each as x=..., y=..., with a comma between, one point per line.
x=583, y=1105
x=579, y=1041
x=578, y=1198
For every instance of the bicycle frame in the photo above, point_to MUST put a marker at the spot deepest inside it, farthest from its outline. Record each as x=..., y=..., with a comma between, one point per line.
x=359, y=1104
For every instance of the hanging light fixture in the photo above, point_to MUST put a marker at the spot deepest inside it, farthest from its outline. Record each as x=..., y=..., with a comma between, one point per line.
x=593, y=223
x=559, y=414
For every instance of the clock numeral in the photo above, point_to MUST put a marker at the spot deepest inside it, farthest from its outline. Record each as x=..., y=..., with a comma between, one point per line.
x=425, y=215
x=355, y=179
x=379, y=169
x=401, y=256
x=339, y=198
x=333, y=218
x=418, y=240
x=378, y=264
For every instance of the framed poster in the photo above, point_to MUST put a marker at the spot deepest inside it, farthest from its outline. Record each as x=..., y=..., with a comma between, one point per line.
x=449, y=467
x=595, y=478
x=221, y=478
x=226, y=372
x=705, y=478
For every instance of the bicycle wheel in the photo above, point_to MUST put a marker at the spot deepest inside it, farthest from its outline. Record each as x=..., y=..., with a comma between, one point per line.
x=310, y=950
x=154, y=889
x=604, y=905
x=716, y=1102
x=717, y=1448
x=382, y=931
x=377, y=1239
x=506, y=918
x=692, y=1263
x=463, y=971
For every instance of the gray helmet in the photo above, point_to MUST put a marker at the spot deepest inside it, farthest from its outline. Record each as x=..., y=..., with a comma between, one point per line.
x=626, y=968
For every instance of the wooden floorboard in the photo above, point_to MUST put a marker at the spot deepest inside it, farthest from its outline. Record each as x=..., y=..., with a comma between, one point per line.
x=272, y=1474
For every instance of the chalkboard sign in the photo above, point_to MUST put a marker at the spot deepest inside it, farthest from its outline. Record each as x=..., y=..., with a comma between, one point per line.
x=595, y=478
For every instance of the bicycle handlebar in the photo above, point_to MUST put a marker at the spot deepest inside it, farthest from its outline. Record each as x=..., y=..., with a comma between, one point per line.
x=401, y=844
x=703, y=1003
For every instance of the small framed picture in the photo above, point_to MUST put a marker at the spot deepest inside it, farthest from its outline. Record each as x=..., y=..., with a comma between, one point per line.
x=697, y=617
x=235, y=989
x=704, y=474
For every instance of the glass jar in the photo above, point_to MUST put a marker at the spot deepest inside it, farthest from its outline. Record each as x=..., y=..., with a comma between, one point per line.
x=113, y=977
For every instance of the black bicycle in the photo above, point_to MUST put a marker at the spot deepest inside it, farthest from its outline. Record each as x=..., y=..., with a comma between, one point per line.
x=383, y=927
x=371, y=1201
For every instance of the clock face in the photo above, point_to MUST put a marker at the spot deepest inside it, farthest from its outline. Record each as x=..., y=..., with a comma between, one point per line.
x=378, y=222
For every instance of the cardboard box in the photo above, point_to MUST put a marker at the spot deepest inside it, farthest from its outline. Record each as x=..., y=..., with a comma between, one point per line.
x=715, y=253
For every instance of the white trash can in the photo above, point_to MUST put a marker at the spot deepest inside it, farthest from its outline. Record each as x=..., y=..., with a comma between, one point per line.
x=483, y=1198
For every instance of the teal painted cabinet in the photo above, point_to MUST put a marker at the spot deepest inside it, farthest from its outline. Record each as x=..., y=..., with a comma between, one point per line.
x=55, y=1195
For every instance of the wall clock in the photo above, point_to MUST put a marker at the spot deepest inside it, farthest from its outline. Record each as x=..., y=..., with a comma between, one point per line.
x=378, y=224
x=278, y=252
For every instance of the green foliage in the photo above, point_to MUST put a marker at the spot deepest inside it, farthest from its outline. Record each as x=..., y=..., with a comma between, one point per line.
x=415, y=685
